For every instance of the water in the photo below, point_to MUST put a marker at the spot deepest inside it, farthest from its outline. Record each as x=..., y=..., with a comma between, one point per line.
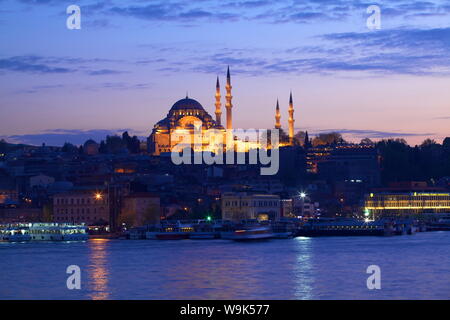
x=412, y=267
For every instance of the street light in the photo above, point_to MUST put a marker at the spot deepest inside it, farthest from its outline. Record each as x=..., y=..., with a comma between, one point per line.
x=98, y=196
x=302, y=195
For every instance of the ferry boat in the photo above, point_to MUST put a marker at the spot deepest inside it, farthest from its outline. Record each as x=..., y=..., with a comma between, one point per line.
x=137, y=233
x=43, y=232
x=283, y=229
x=442, y=224
x=58, y=232
x=252, y=233
x=169, y=231
x=15, y=233
x=226, y=230
x=345, y=227
x=204, y=231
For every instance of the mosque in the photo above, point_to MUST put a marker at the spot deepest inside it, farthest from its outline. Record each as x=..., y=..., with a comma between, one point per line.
x=186, y=112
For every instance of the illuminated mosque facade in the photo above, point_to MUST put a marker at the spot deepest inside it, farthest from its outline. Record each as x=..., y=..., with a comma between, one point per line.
x=186, y=113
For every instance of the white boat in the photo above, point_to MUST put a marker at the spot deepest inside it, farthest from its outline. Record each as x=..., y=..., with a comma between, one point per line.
x=58, y=232
x=38, y=231
x=283, y=229
x=204, y=231
x=169, y=231
x=15, y=233
x=252, y=233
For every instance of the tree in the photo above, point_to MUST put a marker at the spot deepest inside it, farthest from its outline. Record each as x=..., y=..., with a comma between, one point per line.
x=328, y=139
x=47, y=213
x=103, y=148
x=69, y=148
x=299, y=138
x=115, y=144
x=367, y=142
x=427, y=143
x=3, y=146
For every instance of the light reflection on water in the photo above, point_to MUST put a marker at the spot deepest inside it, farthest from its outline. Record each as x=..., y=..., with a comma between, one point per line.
x=303, y=270
x=98, y=269
x=413, y=267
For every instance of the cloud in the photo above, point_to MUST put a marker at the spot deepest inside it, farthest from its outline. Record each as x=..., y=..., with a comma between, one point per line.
x=406, y=51
x=374, y=134
x=58, y=137
x=104, y=72
x=30, y=65
x=442, y=118
x=281, y=11
x=56, y=65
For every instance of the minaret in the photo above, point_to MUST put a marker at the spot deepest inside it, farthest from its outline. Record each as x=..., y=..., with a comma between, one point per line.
x=229, y=105
x=218, y=103
x=277, y=117
x=291, y=120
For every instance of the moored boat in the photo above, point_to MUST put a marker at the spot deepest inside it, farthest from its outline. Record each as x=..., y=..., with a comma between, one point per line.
x=39, y=231
x=15, y=233
x=283, y=229
x=441, y=224
x=169, y=231
x=345, y=227
x=204, y=230
x=252, y=233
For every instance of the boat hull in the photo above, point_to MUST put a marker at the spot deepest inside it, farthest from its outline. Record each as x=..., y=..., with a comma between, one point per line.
x=253, y=237
x=166, y=235
x=283, y=235
x=202, y=235
x=339, y=233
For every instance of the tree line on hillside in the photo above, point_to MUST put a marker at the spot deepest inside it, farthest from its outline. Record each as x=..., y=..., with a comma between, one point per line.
x=112, y=144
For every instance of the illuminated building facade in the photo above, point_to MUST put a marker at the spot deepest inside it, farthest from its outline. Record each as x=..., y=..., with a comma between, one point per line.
x=237, y=206
x=182, y=118
x=180, y=121
x=348, y=162
x=140, y=209
x=406, y=204
x=89, y=207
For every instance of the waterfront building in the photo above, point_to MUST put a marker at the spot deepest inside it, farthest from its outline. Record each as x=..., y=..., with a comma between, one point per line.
x=287, y=208
x=8, y=194
x=140, y=208
x=90, y=207
x=417, y=204
x=13, y=214
x=237, y=206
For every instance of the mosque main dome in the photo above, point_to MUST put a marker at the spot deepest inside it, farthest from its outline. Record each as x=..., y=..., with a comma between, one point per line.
x=187, y=104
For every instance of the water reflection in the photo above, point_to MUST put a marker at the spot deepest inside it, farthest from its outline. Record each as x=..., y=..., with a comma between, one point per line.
x=304, y=274
x=214, y=271
x=98, y=270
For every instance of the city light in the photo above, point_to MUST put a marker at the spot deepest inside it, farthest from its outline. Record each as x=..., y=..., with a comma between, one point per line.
x=302, y=195
x=98, y=196
x=208, y=218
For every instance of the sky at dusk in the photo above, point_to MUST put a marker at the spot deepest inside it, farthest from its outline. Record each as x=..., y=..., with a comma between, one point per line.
x=132, y=60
